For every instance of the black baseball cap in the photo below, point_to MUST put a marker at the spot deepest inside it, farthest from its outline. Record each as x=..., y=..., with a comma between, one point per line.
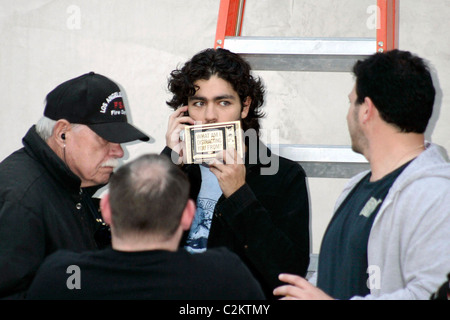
x=95, y=101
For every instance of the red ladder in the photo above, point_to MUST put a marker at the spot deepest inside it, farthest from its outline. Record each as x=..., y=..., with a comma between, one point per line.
x=315, y=54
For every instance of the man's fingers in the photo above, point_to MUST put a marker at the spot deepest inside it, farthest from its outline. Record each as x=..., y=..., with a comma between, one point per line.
x=293, y=289
x=299, y=288
x=216, y=164
x=229, y=156
x=293, y=279
x=287, y=291
x=178, y=116
x=179, y=112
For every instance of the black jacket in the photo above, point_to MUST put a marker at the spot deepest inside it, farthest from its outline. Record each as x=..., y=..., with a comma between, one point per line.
x=266, y=221
x=42, y=209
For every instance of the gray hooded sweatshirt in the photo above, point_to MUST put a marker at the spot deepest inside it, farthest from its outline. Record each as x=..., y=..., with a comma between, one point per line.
x=409, y=243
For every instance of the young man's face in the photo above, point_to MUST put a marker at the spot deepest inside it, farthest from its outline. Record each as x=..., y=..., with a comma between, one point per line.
x=354, y=127
x=216, y=101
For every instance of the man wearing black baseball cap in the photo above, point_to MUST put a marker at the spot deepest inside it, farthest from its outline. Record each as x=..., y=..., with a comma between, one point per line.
x=46, y=187
x=95, y=101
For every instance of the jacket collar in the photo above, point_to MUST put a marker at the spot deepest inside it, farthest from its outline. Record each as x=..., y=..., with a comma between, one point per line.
x=58, y=170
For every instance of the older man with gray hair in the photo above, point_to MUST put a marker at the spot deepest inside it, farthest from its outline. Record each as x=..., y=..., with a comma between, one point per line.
x=46, y=187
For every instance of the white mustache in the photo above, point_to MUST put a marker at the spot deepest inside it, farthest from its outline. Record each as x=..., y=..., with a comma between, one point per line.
x=110, y=163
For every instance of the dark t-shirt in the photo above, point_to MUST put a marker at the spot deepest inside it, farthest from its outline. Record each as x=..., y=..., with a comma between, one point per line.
x=343, y=262
x=216, y=274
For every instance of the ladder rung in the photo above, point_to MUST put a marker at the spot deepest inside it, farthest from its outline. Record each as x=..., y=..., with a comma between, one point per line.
x=309, y=46
x=301, y=54
x=321, y=161
x=318, y=153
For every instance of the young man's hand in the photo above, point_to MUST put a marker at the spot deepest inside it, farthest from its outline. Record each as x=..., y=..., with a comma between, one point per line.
x=229, y=169
x=177, y=122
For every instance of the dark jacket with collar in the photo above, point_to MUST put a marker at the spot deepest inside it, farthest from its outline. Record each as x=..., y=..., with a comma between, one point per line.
x=266, y=221
x=42, y=209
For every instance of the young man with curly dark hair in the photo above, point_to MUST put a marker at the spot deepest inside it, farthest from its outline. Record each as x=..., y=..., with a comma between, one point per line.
x=263, y=216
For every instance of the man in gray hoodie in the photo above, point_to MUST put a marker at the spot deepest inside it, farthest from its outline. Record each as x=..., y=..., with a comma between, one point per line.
x=389, y=236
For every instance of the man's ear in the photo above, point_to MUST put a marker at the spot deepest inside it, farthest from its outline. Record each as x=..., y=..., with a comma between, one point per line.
x=246, y=107
x=368, y=110
x=60, y=132
x=188, y=215
x=105, y=208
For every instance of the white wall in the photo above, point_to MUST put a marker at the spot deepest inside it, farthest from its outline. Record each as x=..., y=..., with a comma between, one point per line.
x=138, y=42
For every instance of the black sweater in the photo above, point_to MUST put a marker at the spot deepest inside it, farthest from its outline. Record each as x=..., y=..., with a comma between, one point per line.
x=266, y=221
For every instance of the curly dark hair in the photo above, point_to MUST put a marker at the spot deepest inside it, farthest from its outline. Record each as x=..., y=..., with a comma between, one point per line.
x=227, y=66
